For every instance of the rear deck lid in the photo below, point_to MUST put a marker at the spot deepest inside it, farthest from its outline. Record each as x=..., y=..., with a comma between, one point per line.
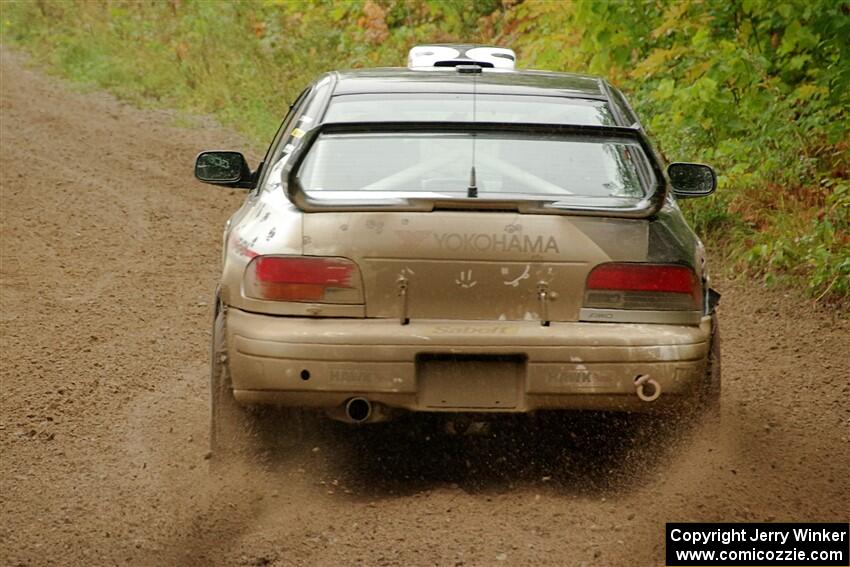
x=471, y=265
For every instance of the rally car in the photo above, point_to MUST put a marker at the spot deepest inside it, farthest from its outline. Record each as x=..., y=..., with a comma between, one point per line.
x=459, y=237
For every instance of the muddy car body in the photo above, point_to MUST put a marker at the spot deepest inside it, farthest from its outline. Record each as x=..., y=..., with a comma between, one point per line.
x=461, y=238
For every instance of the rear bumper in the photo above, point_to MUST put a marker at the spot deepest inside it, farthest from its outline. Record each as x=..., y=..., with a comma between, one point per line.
x=321, y=363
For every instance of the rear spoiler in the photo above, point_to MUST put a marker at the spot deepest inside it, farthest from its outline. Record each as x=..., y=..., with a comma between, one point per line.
x=646, y=207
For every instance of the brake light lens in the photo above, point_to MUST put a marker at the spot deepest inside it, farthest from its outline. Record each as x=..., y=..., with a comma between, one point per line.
x=303, y=278
x=666, y=287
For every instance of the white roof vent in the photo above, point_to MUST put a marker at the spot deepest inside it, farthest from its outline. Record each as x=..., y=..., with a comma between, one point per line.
x=430, y=56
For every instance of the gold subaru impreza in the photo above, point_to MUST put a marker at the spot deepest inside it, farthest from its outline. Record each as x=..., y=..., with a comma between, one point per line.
x=459, y=237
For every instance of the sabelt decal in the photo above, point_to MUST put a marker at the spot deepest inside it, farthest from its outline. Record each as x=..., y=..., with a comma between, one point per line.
x=475, y=330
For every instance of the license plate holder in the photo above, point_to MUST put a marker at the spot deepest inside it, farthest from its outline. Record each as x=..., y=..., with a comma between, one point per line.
x=470, y=382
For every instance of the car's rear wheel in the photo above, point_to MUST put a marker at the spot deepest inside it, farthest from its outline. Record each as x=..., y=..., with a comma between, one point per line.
x=238, y=432
x=710, y=394
x=229, y=423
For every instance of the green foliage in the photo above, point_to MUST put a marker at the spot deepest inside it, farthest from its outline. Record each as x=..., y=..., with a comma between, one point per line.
x=243, y=62
x=820, y=252
x=758, y=88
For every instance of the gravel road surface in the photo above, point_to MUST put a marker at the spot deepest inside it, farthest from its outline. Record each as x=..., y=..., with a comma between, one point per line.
x=109, y=256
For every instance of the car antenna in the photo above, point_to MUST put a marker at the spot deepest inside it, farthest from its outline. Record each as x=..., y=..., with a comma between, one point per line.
x=472, y=190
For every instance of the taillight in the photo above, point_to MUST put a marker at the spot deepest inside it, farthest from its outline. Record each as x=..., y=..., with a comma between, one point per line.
x=643, y=286
x=303, y=278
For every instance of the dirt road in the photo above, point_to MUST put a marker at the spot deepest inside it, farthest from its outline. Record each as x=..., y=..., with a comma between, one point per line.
x=109, y=259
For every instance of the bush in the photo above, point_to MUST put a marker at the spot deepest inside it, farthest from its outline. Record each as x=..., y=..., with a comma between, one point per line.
x=760, y=89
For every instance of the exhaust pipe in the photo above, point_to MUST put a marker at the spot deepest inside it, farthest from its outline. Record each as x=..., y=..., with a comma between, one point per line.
x=648, y=389
x=358, y=410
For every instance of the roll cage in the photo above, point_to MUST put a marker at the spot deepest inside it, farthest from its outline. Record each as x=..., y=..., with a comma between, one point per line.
x=646, y=207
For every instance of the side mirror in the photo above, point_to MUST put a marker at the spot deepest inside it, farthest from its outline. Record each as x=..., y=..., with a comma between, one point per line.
x=223, y=168
x=691, y=180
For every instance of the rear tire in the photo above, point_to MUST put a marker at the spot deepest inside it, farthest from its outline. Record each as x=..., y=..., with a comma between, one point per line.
x=238, y=432
x=711, y=387
x=229, y=422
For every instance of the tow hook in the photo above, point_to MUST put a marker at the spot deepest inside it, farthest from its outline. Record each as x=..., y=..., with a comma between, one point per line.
x=648, y=389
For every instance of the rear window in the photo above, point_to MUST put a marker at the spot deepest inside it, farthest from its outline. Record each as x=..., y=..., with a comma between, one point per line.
x=595, y=170
x=457, y=107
